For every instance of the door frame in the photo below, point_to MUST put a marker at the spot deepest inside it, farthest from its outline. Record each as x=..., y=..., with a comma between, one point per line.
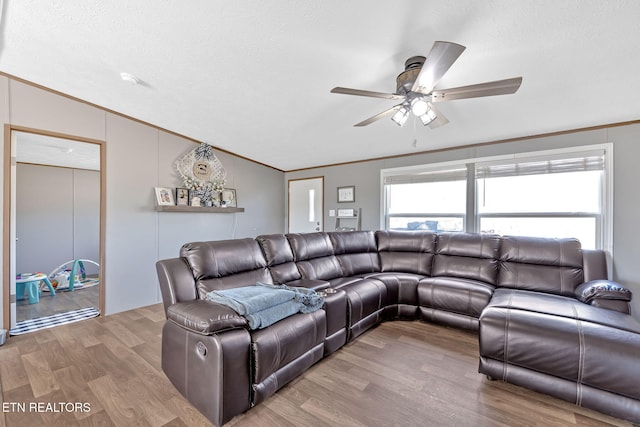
x=321, y=178
x=8, y=227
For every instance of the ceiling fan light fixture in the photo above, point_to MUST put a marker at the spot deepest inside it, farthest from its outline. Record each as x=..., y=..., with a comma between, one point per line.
x=401, y=116
x=419, y=106
x=428, y=117
x=416, y=86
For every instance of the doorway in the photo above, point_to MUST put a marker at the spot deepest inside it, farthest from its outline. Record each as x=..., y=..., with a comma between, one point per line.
x=56, y=228
x=306, y=205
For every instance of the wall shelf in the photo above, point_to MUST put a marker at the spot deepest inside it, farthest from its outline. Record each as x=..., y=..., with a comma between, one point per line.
x=348, y=222
x=197, y=209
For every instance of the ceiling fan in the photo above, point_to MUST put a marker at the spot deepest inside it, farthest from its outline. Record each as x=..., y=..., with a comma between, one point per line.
x=416, y=88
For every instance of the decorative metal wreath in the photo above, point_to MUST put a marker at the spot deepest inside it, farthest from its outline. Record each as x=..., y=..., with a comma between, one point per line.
x=202, y=173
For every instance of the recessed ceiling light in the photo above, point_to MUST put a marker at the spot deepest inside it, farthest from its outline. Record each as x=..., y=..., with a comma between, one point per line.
x=129, y=78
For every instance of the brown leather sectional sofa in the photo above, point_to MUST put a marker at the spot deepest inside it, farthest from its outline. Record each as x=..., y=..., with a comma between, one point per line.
x=547, y=317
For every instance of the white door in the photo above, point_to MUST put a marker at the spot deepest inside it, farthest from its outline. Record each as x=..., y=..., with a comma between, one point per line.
x=306, y=205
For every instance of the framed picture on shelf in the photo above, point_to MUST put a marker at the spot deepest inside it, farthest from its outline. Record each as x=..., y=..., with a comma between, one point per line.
x=347, y=194
x=164, y=196
x=228, y=198
x=182, y=196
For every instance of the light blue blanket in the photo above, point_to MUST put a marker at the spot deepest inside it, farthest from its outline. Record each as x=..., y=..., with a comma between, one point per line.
x=271, y=315
x=264, y=304
x=251, y=299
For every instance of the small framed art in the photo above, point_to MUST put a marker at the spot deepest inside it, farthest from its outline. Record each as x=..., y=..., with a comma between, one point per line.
x=228, y=198
x=164, y=196
x=347, y=194
x=182, y=196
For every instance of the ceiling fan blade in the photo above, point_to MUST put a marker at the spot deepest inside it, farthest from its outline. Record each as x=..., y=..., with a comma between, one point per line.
x=347, y=91
x=498, y=87
x=379, y=116
x=440, y=119
x=439, y=60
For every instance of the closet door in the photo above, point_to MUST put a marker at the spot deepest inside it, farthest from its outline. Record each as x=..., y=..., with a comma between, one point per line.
x=86, y=217
x=44, y=217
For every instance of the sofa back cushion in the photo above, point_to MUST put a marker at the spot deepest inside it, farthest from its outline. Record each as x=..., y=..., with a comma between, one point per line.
x=279, y=256
x=406, y=251
x=313, y=254
x=541, y=264
x=356, y=252
x=225, y=264
x=467, y=256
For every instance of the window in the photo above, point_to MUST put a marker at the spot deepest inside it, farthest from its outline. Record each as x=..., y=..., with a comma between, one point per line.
x=427, y=200
x=558, y=193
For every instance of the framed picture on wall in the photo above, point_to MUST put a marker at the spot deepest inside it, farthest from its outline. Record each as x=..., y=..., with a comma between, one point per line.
x=347, y=194
x=182, y=196
x=164, y=196
x=228, y=198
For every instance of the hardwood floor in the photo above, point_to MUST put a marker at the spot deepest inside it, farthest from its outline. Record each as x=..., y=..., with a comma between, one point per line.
x=62, y=302
x=398, y=374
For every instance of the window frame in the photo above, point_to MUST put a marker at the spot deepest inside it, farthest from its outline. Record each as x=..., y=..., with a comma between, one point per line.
x=415, y=170
x=471, y=220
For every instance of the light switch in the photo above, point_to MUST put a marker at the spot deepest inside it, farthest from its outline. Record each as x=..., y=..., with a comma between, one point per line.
x=332, y=212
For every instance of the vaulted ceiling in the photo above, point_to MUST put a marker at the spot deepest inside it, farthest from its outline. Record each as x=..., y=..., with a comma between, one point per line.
x=253, y=77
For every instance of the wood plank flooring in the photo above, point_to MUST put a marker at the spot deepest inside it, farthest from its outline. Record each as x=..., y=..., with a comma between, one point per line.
x=398, y=374
x=62, y=302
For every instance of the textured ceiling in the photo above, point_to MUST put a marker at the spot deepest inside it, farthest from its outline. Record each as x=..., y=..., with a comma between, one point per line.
x=253, y=77
x=51, y=151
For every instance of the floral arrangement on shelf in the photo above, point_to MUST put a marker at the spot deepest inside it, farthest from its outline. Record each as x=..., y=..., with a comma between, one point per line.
x=203, y=174
x=206, y=191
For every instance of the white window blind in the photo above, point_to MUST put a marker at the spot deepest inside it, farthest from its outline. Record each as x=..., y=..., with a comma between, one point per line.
x=577, y=162
x=454, y=174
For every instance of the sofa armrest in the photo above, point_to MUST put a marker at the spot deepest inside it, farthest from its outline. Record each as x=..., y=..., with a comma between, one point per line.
x=612, y=304
x=605, y=294
x=604, y=289
x=205, y=317
x=176, y=281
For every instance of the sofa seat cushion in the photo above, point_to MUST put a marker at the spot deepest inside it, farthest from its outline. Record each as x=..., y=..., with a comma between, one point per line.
x=317, y=285
x=364, y=298
x=340, y=282
x=564, y=338
x=284, y=341
x=559, y=306
x=402, y=288
x=454, y=294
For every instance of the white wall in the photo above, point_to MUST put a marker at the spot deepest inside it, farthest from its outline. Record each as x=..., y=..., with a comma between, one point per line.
x=58, y=217
x=138, y=158
x=626, y=247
